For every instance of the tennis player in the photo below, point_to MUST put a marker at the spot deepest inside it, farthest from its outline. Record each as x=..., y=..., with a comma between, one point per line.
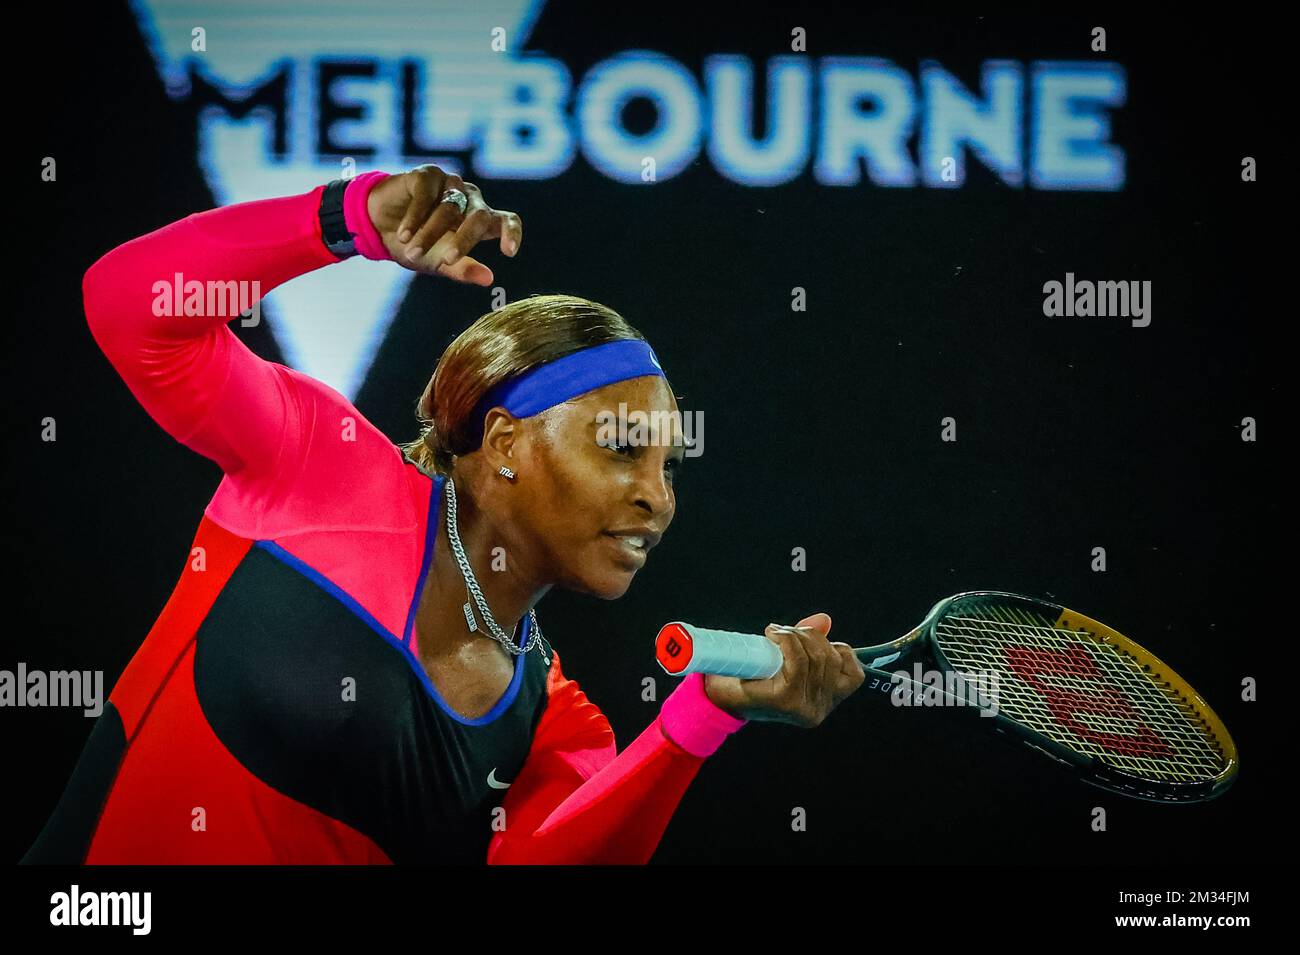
x=350, y=668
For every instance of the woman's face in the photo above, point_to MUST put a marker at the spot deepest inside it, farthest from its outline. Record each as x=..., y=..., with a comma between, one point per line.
x=599, y=495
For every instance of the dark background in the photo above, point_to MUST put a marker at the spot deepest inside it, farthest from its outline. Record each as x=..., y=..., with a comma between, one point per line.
x=822, y=428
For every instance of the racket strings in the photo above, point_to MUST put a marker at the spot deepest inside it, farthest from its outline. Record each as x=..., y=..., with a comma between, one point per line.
x=1077, y=681
x=1129, y=693
x=1091, y=696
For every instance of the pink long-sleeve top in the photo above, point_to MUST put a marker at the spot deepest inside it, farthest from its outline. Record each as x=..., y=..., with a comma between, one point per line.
x=278, y=711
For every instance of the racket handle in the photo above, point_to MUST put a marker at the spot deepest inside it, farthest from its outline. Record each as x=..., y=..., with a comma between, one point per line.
x=682, y=648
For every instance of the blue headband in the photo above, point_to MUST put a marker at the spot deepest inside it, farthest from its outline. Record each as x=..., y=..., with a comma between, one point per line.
x=557, y=381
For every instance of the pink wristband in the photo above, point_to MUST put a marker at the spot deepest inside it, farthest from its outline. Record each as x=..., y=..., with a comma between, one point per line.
x=357, y=217
x=694, y=722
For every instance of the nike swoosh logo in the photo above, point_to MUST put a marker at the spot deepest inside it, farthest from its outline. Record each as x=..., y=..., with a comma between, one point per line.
x=494, y=782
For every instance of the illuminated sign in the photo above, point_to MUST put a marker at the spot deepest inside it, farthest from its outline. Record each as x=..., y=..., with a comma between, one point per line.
x=286, y=93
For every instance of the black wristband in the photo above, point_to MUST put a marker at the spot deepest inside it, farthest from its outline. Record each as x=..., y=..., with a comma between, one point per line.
x=333, y=226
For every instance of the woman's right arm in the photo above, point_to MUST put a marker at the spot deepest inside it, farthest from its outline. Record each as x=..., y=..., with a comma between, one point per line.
x=192, y=374
x=189, y=371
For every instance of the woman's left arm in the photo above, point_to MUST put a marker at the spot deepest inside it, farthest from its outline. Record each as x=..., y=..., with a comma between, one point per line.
x=579, y=801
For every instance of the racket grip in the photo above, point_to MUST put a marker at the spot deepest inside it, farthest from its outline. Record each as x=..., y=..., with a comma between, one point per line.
x=683, y=648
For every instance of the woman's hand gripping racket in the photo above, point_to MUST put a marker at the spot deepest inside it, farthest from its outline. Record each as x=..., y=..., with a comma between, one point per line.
x=1053, y=679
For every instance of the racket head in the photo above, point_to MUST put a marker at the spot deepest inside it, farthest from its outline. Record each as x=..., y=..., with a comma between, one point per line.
x=1086, y=695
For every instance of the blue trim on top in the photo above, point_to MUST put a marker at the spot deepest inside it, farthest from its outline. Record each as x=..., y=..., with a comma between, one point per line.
x=430, y=536
x=403, y=643
x=316, y=577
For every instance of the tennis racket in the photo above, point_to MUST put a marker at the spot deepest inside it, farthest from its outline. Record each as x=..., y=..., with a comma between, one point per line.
x=1062, y=684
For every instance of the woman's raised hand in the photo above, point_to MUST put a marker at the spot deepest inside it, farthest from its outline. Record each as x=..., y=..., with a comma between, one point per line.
x=424, y=234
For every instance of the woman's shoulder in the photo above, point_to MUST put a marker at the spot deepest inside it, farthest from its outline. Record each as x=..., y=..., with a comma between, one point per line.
x=337, y=470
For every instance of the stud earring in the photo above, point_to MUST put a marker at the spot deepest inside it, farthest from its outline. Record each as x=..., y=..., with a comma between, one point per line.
x=506, y=472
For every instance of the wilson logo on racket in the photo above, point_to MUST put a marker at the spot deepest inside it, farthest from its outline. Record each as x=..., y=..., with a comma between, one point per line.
x=1081, y=700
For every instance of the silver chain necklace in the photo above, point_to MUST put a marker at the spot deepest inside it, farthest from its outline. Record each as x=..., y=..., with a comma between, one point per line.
x=472, y=585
